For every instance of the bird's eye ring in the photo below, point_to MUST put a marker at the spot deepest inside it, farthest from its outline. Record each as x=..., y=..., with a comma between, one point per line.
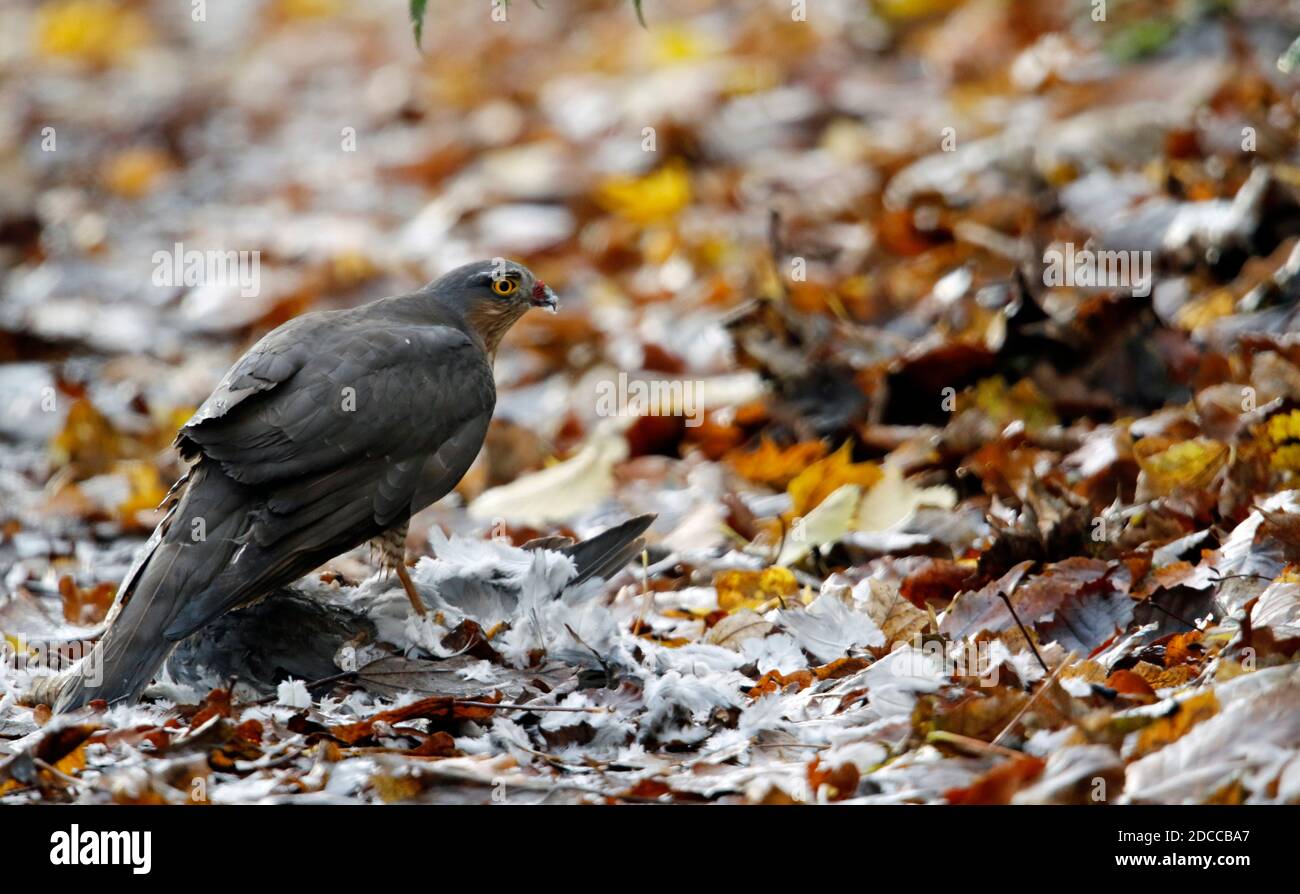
x=504, y=286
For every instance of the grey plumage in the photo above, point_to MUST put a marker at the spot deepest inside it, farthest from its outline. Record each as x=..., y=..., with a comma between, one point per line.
x=332, y=429
x=292, y=634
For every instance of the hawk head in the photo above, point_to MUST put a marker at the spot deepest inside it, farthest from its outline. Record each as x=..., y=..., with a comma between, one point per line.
x=492, y=295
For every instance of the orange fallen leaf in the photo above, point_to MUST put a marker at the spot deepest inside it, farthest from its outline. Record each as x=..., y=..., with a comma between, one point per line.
x=1184, y=648
x=438, y=707
x=1128, y=683
x=833, y=783
x=999, y=784
x=85, y=606
x=824, y=477
x=776, y=466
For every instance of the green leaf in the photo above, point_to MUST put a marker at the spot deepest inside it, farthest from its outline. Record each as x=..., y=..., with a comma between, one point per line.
x=417, y=18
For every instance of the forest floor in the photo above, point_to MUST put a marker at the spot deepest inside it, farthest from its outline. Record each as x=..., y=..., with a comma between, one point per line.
x=952, y=345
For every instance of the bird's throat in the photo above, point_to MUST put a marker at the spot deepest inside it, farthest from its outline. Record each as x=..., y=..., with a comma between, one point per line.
x=492, y=322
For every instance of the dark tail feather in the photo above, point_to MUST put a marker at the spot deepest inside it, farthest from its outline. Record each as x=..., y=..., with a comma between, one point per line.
x=610, y=550
x=123, y=662
x=135, y=645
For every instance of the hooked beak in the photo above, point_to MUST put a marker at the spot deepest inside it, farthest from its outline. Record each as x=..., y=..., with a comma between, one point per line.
x=544, y=297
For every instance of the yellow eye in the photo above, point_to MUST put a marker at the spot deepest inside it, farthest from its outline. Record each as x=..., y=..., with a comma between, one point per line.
x=504, y=286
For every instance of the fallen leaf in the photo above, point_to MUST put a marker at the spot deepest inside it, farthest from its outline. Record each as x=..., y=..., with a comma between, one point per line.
x=824, y=477
x=776, y=466
x=654, y=198
x=1169, y=466
x=741, y=589
x=563, y=490
x=998, y=785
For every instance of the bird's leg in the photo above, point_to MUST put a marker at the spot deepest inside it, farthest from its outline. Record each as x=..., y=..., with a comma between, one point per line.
x=416, y=602
x=392, y=554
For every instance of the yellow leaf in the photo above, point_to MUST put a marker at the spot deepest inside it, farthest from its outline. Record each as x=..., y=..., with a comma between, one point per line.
x=87, y=439
x=674, y=44
x=309, y=9
x=1283, y=427
x=906, y=10
x=72, y=763
x=1170, y=465
x=824, y=477
x=136, y=172
x=656, y=197
x=1201, y=312
x=828, y=522
x=1019, y=402
x=146, y=492
x=741, y=589
x=1284, y=435
x=1174, y=726
x=776, y=466
x=100, y=32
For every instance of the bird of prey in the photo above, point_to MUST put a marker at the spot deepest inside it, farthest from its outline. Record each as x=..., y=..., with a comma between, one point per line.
x=330, y=432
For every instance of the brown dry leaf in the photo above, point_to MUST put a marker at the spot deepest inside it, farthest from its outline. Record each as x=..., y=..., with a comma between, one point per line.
x=1043, y=594
x=1088, y=670
x=1172, y=727
x=775, y=681
x=731, y=631
x=438, y=707
x=898, y=619
x=1167, y=577
x=392, y=789
x=936, y=581
x=841, y=667
x=999, y=784
x=824, y=477
x=741, y=589
x=776, y=466
x=85, y=607
x=834, y=783
x=53, y=747
x=440, y=744
x=984, y=609
x=980, y=713
x=1165, y=678
x=1088, y=619
x=216, y=703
